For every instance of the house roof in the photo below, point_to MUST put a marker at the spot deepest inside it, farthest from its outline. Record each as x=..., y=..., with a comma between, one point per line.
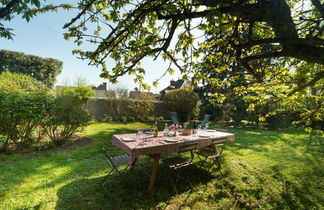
x=174, y=85
x=102, y=86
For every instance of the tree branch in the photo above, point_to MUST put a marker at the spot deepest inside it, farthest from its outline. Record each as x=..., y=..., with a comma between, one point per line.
x=6, y=10
x=319, y=6
x=87, y=6
x=317, y=77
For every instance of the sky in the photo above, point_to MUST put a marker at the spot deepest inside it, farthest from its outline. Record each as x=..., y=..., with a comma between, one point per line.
x=43, y=36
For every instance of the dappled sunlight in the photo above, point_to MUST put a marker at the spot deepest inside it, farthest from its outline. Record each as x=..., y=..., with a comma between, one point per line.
x=270, y=169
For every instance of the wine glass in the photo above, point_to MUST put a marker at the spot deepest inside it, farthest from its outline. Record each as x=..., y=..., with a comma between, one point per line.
x=139, y=132
x=206, y=125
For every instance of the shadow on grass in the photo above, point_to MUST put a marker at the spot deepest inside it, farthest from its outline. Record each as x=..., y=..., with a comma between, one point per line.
x=129, y=190
x=75, y=164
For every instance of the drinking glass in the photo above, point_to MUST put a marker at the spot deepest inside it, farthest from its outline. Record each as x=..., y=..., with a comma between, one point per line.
x=206, y=126
x=139, y=132
x=198, y=129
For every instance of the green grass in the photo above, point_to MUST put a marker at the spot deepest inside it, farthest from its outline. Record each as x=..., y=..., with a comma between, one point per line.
x=262, y=169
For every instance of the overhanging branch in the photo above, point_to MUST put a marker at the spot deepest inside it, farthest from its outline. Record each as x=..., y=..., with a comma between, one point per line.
x=6, y=10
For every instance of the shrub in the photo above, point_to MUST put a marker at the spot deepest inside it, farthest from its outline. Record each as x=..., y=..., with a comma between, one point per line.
x=281, y=120
x=107, y=119
x=65, y=118
x=131, y=119
x=184, y=102
x=160, y=118
x=68, y=113
x=142, y=106
x=24, y=103
x=81, y=93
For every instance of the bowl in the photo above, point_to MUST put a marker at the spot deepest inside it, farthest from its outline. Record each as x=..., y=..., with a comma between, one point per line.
x=187, y=132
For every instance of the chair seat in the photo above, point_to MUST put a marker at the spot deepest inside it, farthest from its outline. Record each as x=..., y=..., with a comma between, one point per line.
x=208, y=153
x=176, y=162
x=120, y=160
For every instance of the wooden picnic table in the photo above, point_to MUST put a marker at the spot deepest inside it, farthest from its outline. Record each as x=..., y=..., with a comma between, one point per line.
x=146, y=144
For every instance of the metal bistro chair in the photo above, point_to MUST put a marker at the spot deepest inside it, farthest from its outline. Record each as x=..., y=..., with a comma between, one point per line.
x=174, y=118
x=206, y=120
x=177, y=162
x=114, y=162
x=212, y=155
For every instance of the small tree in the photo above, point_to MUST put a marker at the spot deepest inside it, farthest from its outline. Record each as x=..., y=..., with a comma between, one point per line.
x=184, y=102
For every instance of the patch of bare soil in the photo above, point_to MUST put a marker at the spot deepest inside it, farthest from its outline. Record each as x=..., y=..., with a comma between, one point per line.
x=73, y=143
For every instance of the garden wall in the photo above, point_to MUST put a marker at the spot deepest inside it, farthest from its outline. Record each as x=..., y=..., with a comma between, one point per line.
x=101, y=107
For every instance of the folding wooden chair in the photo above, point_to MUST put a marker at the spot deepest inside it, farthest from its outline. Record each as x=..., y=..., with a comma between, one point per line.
x=177, y=162
x=114, y=162
x=212, y=154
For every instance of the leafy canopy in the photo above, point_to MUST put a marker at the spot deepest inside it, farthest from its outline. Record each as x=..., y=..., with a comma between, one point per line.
x=276, y=47
x=27, y=9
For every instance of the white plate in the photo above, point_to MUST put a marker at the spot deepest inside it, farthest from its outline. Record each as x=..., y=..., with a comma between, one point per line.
x=170, y=140
x=128, y=139
x=211, y=130
x=204, y=135
x=148, y=132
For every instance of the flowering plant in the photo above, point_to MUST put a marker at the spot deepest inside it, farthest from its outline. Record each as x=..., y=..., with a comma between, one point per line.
x=175, y=127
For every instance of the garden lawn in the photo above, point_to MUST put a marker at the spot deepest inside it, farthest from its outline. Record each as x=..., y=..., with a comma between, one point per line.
x=261, y=169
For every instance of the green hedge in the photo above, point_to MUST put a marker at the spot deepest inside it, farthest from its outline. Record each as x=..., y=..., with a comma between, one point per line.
x=29, y=110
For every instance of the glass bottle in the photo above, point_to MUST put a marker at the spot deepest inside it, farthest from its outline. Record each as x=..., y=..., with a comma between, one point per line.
x=194, y=127
x=155, y=130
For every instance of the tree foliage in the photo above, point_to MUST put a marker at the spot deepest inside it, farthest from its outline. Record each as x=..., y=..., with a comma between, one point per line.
x=278, y=45
x=27, y=9
x=24, y=103
x=65, y=117
x=184, y=102
x=29, y=110
x=42, y=69
x=142, y=106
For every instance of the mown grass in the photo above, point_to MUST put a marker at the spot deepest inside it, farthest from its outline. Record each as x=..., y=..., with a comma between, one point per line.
x=262, y=169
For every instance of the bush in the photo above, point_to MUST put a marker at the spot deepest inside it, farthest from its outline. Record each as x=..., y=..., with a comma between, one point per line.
x=29, y=111
x=81, y=93
x=281, y=120
x=65, y=118
x=68, y=113
x=107, y=119
x=24, y=103
x=142, y=106
x=160, y=118
x=184, y=102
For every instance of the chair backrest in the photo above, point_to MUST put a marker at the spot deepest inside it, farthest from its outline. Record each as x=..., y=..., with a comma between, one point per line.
x=206, y=120
x=187, y=147
x=174, y=119
x=106, y=152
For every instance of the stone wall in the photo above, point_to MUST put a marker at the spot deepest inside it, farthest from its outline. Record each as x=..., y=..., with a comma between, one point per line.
x=101, y=107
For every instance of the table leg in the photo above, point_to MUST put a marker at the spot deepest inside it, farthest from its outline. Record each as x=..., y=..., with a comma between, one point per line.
x=156, y=159
x=133, y=164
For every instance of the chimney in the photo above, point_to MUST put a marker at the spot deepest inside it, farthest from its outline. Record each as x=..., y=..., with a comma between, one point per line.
x=104, y=84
